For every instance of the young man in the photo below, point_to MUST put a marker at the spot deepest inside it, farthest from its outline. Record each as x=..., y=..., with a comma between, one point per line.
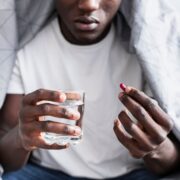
x=81, y=50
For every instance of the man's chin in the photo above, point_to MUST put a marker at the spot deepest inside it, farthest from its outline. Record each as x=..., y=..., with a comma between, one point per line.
x=88, y=39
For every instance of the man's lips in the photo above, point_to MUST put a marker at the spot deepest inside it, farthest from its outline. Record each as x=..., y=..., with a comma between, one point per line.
x=86, y=23
x=87, y=19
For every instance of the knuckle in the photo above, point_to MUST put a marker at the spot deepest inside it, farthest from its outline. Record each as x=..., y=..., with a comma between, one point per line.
x=158, y=138
x=39, y=92
x=54, y=95
x=135, y=93
x=169, y=125
x=67, y=129
x=45, y=126
x=139, y=111
x=150, y=104
x=161, y=138
x=132, y=129
x=147, y=147
x=152, y=147
x=63, y=111
x=129, y=128
x=45, y=109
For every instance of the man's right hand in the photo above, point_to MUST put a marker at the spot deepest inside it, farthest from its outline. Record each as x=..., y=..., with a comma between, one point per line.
x=30, y=126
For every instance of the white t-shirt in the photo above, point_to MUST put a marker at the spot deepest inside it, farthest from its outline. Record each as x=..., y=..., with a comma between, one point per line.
x=51, y=62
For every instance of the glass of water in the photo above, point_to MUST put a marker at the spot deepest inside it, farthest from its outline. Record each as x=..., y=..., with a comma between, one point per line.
x=74, y=101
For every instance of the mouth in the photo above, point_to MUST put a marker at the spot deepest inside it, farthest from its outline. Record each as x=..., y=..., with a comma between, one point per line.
x=86, y=23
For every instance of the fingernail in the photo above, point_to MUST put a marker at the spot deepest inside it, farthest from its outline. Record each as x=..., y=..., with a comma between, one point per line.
x=73, y=114
x=62, y=97
x=67, y=145
x=41, y=118
x=74, y=130
x=77, y=130
x=122, y=86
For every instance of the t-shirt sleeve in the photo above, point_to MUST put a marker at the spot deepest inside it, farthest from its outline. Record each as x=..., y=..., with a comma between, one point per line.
x=15, y=84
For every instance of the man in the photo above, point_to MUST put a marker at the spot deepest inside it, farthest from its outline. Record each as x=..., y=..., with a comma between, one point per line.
x=80, y=50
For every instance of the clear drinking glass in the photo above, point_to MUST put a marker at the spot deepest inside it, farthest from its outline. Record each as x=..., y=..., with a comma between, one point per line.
x=74, y=101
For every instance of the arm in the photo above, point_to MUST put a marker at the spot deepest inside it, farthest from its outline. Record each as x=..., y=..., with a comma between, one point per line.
x=20, y=128
x=148, y=138
x=12, y=154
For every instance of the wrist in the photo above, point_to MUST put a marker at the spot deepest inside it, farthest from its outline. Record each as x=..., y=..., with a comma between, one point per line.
x=163, y=159
x=21, y=145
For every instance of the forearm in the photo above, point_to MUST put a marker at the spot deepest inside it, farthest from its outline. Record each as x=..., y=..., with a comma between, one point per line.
x=164, y=159
x=12, y=155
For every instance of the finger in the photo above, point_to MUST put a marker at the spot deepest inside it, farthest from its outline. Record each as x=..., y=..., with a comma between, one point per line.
x=39, y=142
x=31, y=133
x=43, y=94
x=152, y=107
x=73, y=95
x=127, y=141
x=30, y=130
x=150, y=126
x=50, y=110
x=54, y=146
x=135, y=132
x=59, y=128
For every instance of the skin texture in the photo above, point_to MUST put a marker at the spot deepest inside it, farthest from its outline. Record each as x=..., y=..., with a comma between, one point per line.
x=75, y=15
x=82, y=22
x=148, y=138
x=21, y=126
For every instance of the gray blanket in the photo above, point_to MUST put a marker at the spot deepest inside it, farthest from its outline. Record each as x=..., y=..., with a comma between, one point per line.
x=155, y=38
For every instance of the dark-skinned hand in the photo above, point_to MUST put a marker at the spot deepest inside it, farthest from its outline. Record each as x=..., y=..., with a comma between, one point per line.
x=152, y=127
x=31, y=113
